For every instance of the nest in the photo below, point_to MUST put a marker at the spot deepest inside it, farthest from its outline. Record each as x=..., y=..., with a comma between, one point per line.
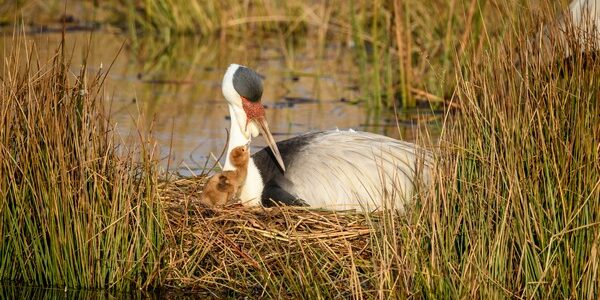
x=237, y=248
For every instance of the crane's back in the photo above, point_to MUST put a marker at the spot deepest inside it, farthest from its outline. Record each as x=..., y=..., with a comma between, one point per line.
x=346, y=170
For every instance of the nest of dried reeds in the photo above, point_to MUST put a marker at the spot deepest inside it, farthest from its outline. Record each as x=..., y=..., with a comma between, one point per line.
x=241, y=250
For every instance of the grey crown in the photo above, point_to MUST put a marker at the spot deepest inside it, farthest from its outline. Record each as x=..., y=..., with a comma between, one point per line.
x=248, y=84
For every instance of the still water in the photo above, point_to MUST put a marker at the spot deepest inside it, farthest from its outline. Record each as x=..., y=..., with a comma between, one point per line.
x=173, y=89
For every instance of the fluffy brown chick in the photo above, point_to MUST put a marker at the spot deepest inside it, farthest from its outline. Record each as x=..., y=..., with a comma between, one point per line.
x=224, y=187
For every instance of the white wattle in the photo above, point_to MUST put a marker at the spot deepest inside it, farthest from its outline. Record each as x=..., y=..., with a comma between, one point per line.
x=236, y=137
x=252, y=189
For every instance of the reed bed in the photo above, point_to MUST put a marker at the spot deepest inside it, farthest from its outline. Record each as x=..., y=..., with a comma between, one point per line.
x=518, y=209
x=515, y=211
x=77, y=210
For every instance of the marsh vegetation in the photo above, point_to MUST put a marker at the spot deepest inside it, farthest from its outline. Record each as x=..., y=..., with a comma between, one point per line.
x=515, y=207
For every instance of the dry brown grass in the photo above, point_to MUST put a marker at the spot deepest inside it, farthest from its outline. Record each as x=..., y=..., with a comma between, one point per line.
x=256, y=243
x=76, y=211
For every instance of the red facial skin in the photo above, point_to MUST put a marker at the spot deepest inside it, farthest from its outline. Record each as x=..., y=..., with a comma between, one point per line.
x=254, y=110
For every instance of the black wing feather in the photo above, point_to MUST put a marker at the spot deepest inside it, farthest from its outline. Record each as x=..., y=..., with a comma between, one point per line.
x=272, y=174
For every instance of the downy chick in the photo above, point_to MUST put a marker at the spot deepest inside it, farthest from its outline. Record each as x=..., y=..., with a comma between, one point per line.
x=224, y=187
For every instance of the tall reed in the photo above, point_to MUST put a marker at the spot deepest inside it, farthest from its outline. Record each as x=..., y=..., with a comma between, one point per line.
x=518, y=210
x=76, y=211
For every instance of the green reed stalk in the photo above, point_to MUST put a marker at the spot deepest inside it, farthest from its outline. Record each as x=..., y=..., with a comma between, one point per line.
x=74, y=212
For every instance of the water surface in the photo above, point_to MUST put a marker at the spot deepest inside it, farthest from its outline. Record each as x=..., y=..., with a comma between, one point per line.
x=174, y=89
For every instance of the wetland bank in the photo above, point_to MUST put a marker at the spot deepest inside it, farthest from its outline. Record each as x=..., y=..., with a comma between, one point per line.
x=86, y=203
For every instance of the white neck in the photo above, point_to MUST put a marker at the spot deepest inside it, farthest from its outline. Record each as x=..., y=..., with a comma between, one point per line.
x=253, y=186
x=236, y=137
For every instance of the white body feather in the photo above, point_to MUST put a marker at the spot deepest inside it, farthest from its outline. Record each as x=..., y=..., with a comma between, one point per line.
x=342, y=170
x=581, y=24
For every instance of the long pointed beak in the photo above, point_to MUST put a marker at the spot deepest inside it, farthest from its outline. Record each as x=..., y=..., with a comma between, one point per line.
x=266, y=133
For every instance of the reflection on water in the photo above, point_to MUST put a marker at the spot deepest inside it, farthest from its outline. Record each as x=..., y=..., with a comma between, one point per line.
x=176, y=87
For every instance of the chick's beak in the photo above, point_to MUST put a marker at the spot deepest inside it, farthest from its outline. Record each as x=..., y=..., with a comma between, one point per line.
x=266, y=133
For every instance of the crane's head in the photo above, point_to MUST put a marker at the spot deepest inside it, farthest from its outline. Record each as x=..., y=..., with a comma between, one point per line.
x=242, y=87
